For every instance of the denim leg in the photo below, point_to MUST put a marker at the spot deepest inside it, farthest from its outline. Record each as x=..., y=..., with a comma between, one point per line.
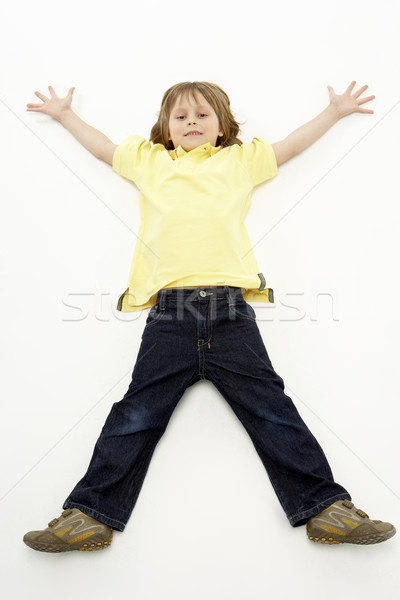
x=164, y=368
x=239, y=366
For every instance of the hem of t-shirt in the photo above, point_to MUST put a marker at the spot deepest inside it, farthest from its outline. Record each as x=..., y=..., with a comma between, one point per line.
x=130, y=302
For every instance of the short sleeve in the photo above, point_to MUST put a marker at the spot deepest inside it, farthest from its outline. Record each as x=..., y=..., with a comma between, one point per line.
x=130, y=156
x=259, y=160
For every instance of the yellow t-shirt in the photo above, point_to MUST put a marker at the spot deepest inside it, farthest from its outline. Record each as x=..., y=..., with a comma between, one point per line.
x=192, y=206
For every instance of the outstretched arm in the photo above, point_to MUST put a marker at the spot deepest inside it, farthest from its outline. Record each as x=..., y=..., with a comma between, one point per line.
x=304, y=136
x=60, y=109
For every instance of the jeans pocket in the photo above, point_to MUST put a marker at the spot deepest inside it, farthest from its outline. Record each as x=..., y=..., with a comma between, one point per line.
x=154, y=316
x=243, y=310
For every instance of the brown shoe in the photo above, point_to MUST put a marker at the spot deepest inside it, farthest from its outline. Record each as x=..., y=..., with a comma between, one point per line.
x=73, y=530
x=343, y=523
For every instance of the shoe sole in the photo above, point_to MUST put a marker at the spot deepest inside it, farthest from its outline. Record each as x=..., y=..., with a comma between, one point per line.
x=372, y=539
x=56, y=548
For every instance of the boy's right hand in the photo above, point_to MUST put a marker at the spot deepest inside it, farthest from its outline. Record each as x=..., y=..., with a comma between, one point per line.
x=60, y=109
x=53, y=106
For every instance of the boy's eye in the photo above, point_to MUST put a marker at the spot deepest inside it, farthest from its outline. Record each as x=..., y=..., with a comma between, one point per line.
x=201, y=115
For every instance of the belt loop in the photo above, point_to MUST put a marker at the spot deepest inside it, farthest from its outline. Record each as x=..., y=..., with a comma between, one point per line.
x=229, y=296
x=163, y=299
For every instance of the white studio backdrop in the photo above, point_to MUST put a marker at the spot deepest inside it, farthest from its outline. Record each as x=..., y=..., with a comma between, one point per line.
x=325, y=232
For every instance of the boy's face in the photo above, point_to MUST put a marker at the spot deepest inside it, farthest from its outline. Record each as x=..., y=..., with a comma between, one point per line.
x=188, y=115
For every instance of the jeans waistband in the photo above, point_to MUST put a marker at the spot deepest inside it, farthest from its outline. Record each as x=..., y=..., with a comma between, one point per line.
x=200, y=293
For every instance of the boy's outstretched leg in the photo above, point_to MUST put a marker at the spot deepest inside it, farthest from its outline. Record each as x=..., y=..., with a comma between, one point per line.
x=237, y=362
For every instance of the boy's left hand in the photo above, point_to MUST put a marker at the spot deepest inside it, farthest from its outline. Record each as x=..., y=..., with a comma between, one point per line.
x=346, y=103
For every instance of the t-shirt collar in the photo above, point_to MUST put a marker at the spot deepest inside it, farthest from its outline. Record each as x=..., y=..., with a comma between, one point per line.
x=206, y=149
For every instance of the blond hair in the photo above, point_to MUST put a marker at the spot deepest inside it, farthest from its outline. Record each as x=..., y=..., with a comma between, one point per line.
x=214, y=95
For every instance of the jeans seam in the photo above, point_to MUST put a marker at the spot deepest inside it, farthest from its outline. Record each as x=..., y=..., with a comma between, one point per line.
x=242, y=316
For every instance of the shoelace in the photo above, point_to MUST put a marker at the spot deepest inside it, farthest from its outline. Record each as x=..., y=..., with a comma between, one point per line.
x=350, y=505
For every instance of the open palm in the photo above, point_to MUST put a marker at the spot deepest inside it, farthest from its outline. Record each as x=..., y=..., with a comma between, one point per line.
x=52, y=106
x=347, y=103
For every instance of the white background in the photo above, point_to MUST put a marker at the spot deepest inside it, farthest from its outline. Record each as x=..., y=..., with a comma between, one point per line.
x=207, y=523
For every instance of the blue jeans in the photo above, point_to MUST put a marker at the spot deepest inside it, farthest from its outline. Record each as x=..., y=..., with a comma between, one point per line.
x=204, y=333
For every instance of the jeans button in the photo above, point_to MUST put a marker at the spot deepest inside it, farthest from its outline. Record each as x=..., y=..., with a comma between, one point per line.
x=203, y=293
